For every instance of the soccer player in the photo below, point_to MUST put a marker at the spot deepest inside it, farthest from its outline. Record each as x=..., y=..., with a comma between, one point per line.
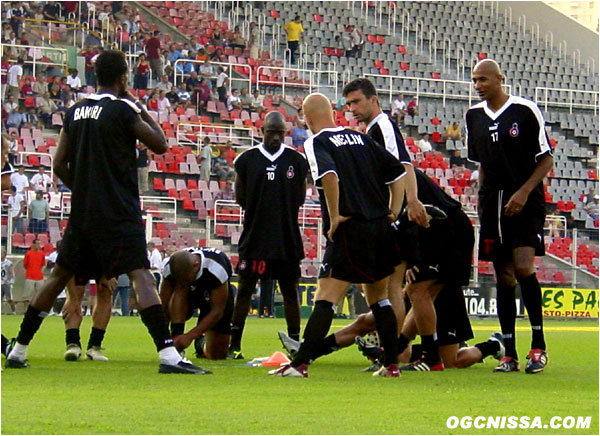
x=506, y=136
x=270, y=185
x=96, y=159
x=198, y=278
x=355, y=177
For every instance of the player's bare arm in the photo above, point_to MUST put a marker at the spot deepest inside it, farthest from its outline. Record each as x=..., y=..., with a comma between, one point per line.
x=218, y=301
x=416, y=210
x=146, y=130
x=61, y=162
x=397, y=196
x=331, y=189
x=517, y=201
x=240, y=191
x=166, y=293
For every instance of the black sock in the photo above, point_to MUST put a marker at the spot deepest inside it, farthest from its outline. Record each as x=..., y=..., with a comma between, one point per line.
x=532, y=299
x=29, y=326
x=431, y=349
x=294, y=333
x=177, y=328
x=5, y=344
x=96, y=338
x=387, y=328
x=72, y=337
x=155, y=320
x=317, y=327
x=416, y=352
x=488, y=348
x=403, y=342
x=507, y=315
x=237, y=330
x=326, y=346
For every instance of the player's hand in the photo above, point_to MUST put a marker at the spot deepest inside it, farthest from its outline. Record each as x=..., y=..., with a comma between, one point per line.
x=418, y=214
x=516, y=203
x=335, y=222
x=182, y=341
x=411, y=274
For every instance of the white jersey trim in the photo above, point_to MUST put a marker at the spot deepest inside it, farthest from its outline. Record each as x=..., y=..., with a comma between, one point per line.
x=543, y=141
x=215, y=269
x=397, y=178
x=387, y=130
x=98, y=97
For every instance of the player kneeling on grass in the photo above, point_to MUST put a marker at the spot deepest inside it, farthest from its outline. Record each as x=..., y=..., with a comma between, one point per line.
x=198, y=278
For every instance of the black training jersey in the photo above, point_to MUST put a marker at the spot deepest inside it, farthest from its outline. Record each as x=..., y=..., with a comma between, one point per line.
x=387, y=134
x=363, y=168
x=431, y=193
x=215, y=270
x=275, y=186
x=506, y=143
x=102, y=165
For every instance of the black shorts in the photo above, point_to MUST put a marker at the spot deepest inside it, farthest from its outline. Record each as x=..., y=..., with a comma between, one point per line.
x=445, y=250
x=198, y=301
x=268, y=269
x=96, y=257
x=362, y=252
x=500, y=235
x=453, y=325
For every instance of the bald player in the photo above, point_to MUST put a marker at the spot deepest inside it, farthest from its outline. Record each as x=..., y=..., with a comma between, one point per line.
x=198, y=278
x=506, y=137
x=360, y=189
x=270, y=186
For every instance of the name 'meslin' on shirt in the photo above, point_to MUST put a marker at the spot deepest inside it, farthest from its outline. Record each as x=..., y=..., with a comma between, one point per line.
x=342, y=139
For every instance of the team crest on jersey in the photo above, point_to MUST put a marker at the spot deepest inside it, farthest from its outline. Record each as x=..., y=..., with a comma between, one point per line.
x=290, y=172
x=514, y=130
x=242, y=265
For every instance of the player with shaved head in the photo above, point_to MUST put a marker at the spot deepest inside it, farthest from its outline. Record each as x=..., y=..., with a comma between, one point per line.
x=198, y=278
x=360, y=190
x=270, y=186
x=506, y=136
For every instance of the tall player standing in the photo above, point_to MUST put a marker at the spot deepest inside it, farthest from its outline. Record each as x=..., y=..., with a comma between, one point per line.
x=506, y=136
x=270, y=185
x=105, y=235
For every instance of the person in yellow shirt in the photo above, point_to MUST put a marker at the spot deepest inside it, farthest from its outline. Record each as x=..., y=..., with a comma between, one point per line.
x=295, y=34
x=453, y=132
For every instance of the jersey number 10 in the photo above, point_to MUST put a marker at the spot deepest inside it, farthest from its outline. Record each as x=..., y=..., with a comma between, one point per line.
x=270, y=175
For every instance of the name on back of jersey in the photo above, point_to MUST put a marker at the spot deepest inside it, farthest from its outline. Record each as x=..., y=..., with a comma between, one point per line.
x=87, y=112
x=346, y=139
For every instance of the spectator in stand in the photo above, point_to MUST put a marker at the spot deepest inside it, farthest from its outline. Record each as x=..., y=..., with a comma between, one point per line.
x=173, y=96
x=73, y=80
x=32, y=120
x=33, y=262
x=357, y=41
x=46, y=108
x=153, y=101
x=257, y=102
x=222, y=82
x=589, y=197
x=20, y=181
x=123, y=38
x=26, y=89
x=39, y=86
x=230, y=154
x=155, y=260
x=13, y=148
x=295, y=34
x=174, y=53
x=253, y=40
x=205, y=160
x=221, y=169
x=189, y=67
x=299, y=134
x=398, y=111
x=592, y=208
x=412, y=108
x=122, y=291
x=192, y=82
x=8, y=279
x=474, y=182
x=207, y=71
x=217, y=38
x=14, y=76
x=52, y=11
x=16, y=15
x=184, y=97
x=246, y=100
x=11, y=105
x=68, y=100
x=39, y=13
x=15, y=119
x=195, y=45
x=202, y=94
x=142, y=168
x=236, y=40
x=55, y=94
x=164, y=84
x=152, y=52
x=233, y=101
x=89, y=52
x=226, y=193
x=39, y=210
x=456, y=160
x=142, y=71
x=424, y=144
x=453, y=132
x=17, y=208
x=41, y=181
x=163, y=102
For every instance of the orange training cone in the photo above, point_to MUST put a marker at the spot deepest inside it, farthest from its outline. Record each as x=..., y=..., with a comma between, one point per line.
x=276, y=359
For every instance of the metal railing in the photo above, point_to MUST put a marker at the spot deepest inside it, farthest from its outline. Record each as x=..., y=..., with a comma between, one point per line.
x=298, y=78
x=34, y=55
x=244, y=82
x=189, y=133
x=544, y=98
x=161, y=209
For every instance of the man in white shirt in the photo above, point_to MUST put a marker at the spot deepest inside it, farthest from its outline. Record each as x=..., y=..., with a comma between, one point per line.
x=206, y=160
x=155, y=262
x=11, y=105
x=163, y=101
x=164, y=84
x=17, y=210
x=222, y=81
x=398, y=111
x=74, y=81
x=233, y=102
x=41, y=181
x=424, y=144
x=257, y=101
x=20, y=181
x=207, y=71
x=14, y=75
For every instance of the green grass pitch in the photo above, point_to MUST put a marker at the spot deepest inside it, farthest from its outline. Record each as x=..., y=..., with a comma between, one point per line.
x=128, y=396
